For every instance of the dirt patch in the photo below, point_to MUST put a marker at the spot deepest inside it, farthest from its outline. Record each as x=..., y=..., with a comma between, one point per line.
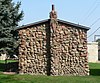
x=9, y=73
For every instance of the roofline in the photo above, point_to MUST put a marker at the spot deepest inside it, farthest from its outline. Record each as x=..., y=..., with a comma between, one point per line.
x=32, y=24
x=62, y=21
x=73, y=24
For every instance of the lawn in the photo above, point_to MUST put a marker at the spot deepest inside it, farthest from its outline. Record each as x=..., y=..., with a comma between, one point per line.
x=93, y=78
x=3, y=61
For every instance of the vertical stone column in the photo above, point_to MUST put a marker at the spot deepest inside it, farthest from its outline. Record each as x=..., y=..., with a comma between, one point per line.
x=54, y=56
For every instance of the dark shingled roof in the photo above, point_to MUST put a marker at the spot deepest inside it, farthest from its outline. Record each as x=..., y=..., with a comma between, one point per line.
x=47, y=20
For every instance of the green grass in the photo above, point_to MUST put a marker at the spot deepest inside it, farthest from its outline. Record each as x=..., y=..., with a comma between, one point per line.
x=8, y=61
x=94, y=65
x=48, y=79
x=93, y=78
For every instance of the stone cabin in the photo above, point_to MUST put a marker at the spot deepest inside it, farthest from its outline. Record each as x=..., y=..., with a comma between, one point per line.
x=53, y=47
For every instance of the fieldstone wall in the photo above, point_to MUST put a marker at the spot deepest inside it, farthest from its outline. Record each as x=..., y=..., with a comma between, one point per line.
x=43, y=51
x=32, y=50
x=69, y=51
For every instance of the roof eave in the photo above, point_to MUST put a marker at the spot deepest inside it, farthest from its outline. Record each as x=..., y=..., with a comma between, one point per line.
x=73, y=24
x=32, y=24
x=62, y=21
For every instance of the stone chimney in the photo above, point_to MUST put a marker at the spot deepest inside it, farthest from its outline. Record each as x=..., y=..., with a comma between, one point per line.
x=53, y=19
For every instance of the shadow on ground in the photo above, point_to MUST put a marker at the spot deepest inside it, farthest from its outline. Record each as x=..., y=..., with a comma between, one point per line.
x=2, y=67
x=95, y=72
x=9, y=67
